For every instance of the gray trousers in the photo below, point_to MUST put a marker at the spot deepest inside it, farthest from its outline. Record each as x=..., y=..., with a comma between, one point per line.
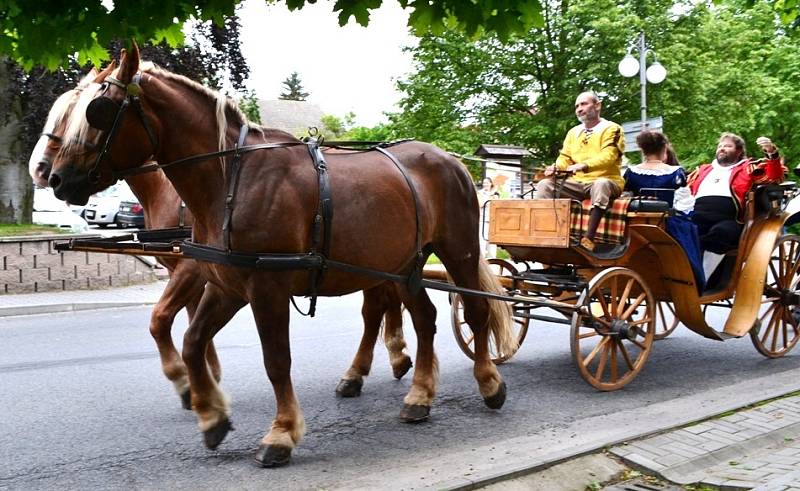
x=601, y=191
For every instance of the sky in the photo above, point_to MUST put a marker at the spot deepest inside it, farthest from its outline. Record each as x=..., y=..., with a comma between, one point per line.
x=344, y=69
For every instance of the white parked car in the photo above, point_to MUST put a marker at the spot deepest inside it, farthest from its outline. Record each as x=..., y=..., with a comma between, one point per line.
x=49, y=210
x=102, y=207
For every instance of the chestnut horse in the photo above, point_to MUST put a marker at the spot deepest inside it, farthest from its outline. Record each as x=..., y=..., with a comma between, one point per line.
x=383, y=218
x=163, y=209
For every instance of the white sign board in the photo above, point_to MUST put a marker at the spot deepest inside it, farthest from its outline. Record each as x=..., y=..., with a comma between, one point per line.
x=633, y=128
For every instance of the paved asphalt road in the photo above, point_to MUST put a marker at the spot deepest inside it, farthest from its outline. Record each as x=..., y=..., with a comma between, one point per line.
x=85, y=405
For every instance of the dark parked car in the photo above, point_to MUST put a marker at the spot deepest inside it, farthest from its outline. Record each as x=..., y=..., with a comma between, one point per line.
x=130, y=214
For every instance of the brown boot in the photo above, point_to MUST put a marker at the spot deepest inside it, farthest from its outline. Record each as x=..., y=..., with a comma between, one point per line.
x=587, y=243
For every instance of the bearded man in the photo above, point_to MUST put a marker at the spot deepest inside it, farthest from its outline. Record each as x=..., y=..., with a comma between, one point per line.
x=720, y=189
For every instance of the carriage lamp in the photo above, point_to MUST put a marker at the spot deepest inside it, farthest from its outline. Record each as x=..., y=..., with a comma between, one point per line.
x=629, y=66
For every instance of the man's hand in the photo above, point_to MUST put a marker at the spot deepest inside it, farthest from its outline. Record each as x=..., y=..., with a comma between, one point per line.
x=766, y=145
x=579, y=167
x=549, y=170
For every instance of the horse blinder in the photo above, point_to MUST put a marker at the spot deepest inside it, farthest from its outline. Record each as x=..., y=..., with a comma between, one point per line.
x=101, y=113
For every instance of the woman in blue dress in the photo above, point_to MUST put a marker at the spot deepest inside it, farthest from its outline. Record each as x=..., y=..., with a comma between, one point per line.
x=655, y=178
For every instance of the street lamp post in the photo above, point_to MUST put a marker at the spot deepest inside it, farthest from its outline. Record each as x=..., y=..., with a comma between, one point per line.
x=655, y=73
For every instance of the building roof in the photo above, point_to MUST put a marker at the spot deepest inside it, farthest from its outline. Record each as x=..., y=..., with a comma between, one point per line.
x=502, y=152
x=292, y=116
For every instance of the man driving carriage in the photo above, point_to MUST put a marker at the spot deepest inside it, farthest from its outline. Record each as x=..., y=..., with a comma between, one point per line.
x=720, y=189
x=592, y=153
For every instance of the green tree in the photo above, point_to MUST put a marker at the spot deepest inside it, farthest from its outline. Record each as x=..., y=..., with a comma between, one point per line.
x=48, y=32
x=294, y=89
x=729, y=70
x=212, y=56
x=249, y=106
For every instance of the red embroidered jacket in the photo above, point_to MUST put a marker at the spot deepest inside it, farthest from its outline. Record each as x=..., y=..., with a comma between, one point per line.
x=743, y=177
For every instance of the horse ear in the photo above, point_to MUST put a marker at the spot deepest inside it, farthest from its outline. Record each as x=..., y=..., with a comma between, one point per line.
x=129, y=64
x=101, y=76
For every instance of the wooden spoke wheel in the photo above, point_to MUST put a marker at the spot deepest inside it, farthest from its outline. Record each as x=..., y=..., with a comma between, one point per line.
x=463, y=333
x=666, y=320
x=777, y=328
x=613, y=329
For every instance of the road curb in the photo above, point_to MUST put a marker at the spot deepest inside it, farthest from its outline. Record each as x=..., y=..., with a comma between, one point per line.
x=66, y=307
x=532, y=453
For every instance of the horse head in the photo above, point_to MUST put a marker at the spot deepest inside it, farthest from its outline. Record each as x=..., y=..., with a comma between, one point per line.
x=100, y=135
x=49, y=142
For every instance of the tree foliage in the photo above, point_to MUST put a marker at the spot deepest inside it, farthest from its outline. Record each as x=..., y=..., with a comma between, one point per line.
x=294, y=89
x=212, y=57
x=728, y=70
x=48, y=32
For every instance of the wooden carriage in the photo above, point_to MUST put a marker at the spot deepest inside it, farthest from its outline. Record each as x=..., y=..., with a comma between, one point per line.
x=618, y=301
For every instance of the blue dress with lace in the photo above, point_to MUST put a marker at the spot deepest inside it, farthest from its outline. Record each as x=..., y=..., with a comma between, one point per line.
x=640, y=180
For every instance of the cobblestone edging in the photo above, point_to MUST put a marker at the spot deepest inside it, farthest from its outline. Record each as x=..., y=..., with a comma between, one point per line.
x=31, y=264
x=757, y=448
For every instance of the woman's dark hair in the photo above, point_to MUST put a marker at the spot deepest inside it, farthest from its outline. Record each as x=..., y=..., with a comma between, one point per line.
x=672, y=158
x=652, y=142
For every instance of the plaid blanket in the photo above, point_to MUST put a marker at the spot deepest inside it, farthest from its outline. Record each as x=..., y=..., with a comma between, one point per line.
x=612, y=226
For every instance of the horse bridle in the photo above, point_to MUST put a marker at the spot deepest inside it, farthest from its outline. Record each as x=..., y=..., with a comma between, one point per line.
x=104, y=114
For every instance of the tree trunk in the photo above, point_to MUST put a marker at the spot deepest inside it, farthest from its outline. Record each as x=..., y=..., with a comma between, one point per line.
x=16, y=190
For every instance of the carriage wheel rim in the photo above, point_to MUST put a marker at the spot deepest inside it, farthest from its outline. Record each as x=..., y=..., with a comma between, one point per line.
x=610, y=350
x=776, y=330
x=463, y=333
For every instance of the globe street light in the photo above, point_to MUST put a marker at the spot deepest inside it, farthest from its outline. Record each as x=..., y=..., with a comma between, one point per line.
x=655, y=73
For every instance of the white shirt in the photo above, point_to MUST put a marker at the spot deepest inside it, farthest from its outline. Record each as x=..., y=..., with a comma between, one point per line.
x=718, y=181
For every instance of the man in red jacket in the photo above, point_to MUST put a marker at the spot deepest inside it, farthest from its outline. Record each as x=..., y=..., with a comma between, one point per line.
x=720, y=189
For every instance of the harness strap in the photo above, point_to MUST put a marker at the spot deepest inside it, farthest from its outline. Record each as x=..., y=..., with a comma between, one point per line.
x=94, y=174
x=134, y=88
x=414, y=282
x=323, y=221
x=192, y=159
x=182, y=214
x=232, y=176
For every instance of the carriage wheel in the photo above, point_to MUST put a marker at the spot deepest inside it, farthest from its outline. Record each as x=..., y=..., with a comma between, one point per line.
x=613, y=329
x=666, y=320
x=777, y=328
x=463, y=333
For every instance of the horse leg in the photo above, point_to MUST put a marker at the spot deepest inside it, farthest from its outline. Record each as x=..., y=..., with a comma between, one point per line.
x=393, y=334
x=484, y=317
x=372, y=312
x=379, y=301
x=417, y=403
x=211, y=351
x=182, y=289
x=271, y=313
x=208, y=401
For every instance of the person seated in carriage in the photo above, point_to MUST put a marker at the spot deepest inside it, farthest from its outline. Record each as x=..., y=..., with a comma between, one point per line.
x=592, y=152
x=661, y=177
x=720, y=189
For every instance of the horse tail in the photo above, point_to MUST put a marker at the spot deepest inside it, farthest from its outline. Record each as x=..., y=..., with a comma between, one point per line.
x=500, y=314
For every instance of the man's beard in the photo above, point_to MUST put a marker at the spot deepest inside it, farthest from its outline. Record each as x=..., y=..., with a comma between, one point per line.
x=726, y=159
x=588, y=116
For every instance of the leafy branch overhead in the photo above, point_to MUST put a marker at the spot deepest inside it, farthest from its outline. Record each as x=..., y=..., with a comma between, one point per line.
x=48, y=32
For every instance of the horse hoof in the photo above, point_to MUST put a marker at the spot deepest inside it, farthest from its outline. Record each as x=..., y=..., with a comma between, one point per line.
x=273, y=455
x=402, y=369
x=415, y=413
x=186, y=400
x=349, y=388
x=214, y=436
x=496, y=401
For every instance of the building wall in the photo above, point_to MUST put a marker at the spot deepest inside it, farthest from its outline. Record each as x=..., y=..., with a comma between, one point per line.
x=32, y=264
